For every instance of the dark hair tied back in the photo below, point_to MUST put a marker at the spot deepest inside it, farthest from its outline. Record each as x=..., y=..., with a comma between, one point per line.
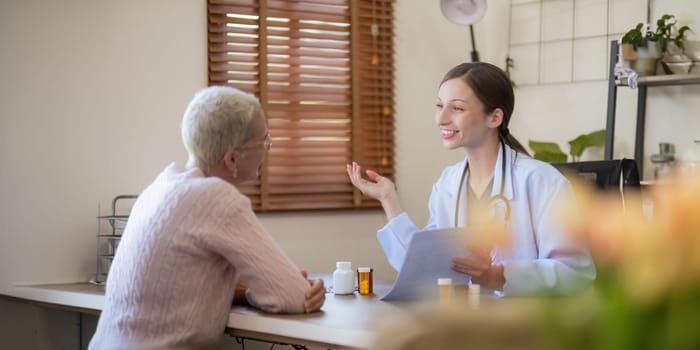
x=494, y=89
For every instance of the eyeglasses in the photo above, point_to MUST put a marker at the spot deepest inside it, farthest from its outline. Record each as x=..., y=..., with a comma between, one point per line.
x=267, y=143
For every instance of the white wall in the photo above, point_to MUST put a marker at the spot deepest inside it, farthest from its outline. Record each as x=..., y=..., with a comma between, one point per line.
x=91, y=98
x=560, y=112
x=92, y=92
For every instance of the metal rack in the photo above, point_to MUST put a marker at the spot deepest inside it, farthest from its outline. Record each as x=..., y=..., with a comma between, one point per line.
x=108, y=237
x=642, y=84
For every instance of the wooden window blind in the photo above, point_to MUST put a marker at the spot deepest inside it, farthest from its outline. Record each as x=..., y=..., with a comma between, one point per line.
x=324, y=73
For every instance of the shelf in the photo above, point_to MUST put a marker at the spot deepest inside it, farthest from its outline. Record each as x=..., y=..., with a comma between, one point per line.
x=108, y=242
x=663, y=80
x=642, y=84
x=113, y=217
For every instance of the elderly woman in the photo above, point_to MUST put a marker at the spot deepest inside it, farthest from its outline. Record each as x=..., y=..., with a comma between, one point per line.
x=192, y=236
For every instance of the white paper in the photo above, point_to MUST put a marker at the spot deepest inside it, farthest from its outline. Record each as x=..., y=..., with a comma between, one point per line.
x=428, y=257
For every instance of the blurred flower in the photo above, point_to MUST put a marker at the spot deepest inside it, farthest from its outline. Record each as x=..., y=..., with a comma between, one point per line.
x=648, y=288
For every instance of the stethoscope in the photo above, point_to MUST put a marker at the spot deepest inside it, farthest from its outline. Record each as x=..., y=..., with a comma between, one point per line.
x=495, y=199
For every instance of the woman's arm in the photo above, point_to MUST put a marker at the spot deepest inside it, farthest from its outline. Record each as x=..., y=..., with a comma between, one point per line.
x=315, y=295
x=563, y=264
x=273, y=283
x=396, y=234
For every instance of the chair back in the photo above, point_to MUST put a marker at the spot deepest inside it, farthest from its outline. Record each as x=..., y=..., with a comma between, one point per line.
x=605, y=174
x=609, y=175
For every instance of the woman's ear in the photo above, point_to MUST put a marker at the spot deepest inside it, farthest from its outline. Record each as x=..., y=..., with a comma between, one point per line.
x=229, y=160
x=496, y=118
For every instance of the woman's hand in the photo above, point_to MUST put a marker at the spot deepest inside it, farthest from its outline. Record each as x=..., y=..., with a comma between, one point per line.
x=315, y=296
x=379, y=188
x=478, y=265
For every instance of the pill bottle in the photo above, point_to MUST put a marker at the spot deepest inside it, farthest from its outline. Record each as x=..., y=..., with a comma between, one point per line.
x=445, y=290
x=364, y=280
x=474, y=295
x=343, y=278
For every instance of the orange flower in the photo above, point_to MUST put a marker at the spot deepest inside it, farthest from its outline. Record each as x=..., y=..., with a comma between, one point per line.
x=649, y=255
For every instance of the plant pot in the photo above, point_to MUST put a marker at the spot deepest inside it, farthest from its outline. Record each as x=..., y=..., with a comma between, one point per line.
x=677, y=67
x=644, y=66
x=642, y=60
x=676, y=63
x=692, y=50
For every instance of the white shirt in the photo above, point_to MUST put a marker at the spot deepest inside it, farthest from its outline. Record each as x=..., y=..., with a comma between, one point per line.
x=541, y=259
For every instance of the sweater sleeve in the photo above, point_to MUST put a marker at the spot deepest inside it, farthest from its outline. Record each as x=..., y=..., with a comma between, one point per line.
x=274, y=282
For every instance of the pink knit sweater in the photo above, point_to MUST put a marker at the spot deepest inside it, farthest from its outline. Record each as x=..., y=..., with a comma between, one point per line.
x=188, y=240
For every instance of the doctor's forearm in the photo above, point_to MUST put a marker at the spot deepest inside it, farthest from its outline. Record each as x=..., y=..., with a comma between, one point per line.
x=391, y=205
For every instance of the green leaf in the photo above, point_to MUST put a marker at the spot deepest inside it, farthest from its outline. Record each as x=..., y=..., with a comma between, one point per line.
x=547, y=152
x=681, y=37
x=634, y=36
x=663, y=43
x=580, y=143
x=540, y=146
x=550, y=157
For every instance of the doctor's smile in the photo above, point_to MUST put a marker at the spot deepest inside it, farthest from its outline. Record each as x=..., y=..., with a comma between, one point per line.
x=448, y=134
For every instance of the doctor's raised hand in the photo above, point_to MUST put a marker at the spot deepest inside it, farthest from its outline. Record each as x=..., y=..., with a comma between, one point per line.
x=377, y=187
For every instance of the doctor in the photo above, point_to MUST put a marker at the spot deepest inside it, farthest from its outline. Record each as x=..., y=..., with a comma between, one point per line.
x=474, y=106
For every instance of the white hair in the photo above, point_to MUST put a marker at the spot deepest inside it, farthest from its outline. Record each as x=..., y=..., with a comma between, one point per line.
x=218, y=119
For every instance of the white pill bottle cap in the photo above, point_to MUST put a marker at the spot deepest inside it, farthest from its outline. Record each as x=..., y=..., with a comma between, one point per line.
x=444, y=281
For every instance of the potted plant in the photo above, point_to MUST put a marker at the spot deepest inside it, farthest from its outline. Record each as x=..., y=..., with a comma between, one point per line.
x=642, y=47
x=551, y=152
x=672, y=46
x=640, y=50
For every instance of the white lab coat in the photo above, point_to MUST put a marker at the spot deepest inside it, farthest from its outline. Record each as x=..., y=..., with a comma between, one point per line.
x=542, y=259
